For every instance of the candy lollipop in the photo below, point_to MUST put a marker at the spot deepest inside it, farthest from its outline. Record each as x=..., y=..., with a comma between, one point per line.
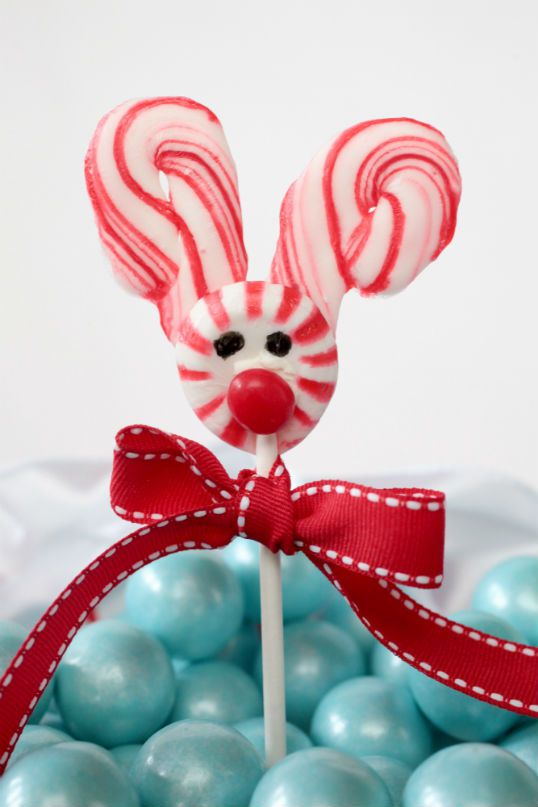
x=258, y=362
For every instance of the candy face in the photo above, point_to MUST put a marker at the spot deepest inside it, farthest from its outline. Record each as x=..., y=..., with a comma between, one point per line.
x=510, y=591
x=370, y=716
x=472, y=773
x=371, y=211
x=249, y=326
x=191, y=603
x=216, y=691
x=454, y=712
x=321, y=776
x=523, y=742
x=69, y=774
x=115, y=685
x=393, y=773
x=318, y=656
x=197, y=764
x=35, y=737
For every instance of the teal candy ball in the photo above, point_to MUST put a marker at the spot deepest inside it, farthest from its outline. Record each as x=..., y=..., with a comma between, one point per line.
x=472, y=775
x=124, y=757
x=318, y=656
x=510, y=591
x=321, y=777
x=243, y=647
x=11, y=638
x=303, y=585
x=67, y=775
x=216, y=691
x=115, y=685
x=191, y=602
x=340, y=613
x=523, y=742
x=385, y=664
x=35, y=737
x=393, y=773
x=372, y=717
x=452, y=711
x=254, y=731
x=197, y=764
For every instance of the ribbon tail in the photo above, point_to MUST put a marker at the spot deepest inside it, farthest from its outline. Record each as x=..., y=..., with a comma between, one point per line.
x=485, y=667
x=32, y=668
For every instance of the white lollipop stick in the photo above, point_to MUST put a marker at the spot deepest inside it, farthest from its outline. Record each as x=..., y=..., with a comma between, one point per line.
x=274, y=699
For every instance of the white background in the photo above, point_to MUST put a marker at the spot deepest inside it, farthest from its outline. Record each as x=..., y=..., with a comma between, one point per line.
x=443, y=374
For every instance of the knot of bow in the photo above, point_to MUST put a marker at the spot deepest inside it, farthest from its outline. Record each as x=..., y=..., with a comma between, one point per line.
x=364, y=540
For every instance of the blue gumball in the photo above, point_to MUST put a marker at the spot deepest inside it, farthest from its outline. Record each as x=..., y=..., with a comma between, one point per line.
x=318, y=656
x=115, y=685
x=35, y=737
x=303, y=586
x=254, y=731
x=385, y=664
x=372, y=717
x=242, y=648
x=216, y=691
x=510, y=591
x=197, y=764
x=67, y=775
x=321, y=777
x=11, y=638
x=340, y=613
x=523, y=742
x=393, y=773
x=124, y=757
x=474, y=774
x=452, y=711
x=190, y=601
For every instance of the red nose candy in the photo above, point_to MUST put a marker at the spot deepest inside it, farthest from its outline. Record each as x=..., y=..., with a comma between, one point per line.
x=260, y=400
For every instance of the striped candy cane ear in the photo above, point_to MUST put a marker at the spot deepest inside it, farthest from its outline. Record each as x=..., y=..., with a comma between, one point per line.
x=371, y=211
x=171, y=248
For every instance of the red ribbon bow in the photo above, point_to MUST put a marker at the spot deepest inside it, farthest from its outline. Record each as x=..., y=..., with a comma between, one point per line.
x=365, y=540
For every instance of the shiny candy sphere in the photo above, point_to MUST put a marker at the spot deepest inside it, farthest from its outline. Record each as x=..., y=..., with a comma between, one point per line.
x=124, y=757
x=385, y=664
x=472, y=775
x=510, y=591
x=190, y=601
x=67, y=775
x=321, y=777
x=523, y=742
x=115, y=685
x=372, y=717
x=216, y=691
x=242, y=648
x=393, y=773
x=340, y=613
x=254, y=731
x=452, y=711
x=318, y=656
x=304, y=589
x=35, y=737
x=197, y=764
x=11, y=638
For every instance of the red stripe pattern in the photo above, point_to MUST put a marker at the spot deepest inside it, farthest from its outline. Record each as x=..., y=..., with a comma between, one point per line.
x=365, y=540
x=371, y=211
x=170, y=246
x=256, y=310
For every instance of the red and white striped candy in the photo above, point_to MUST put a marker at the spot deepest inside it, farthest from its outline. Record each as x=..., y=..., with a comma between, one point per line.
x=170, y=249
x=371, y=211
x=255, y=310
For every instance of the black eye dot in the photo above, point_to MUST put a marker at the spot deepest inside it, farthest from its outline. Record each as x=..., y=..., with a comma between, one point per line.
x=278, y=343
x=229, y=343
